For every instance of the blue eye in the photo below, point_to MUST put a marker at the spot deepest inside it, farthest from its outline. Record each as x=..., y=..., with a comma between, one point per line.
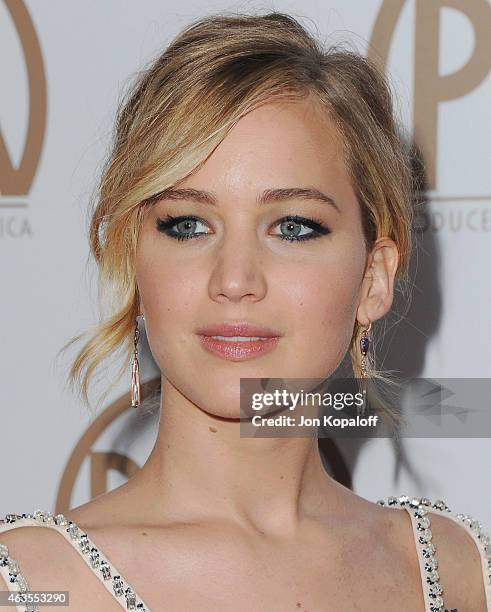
x=183, y=227
x=293, y=225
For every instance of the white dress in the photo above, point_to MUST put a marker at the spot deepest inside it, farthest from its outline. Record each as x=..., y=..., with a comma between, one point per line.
x=419, y=510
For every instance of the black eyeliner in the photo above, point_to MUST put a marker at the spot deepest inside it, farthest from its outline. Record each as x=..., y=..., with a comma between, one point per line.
x=315, y=224
x=166, y=224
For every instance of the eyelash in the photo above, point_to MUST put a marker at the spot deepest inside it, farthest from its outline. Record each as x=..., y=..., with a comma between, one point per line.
x=165, y=226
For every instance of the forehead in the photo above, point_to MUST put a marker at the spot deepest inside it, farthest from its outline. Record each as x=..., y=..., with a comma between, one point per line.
x=280, y=143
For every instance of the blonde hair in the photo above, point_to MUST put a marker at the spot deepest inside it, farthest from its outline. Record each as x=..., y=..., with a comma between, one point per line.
x=181, y=107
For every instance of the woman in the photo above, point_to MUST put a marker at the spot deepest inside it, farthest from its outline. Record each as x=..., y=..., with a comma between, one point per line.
x=257, y=187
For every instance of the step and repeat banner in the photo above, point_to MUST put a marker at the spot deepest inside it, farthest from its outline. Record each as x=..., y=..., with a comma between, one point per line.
x=63, y=67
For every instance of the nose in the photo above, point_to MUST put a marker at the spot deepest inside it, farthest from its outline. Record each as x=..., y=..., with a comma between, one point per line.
x=238, y=270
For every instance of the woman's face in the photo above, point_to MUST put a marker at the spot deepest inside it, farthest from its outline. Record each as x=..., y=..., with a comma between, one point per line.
x=234, y=265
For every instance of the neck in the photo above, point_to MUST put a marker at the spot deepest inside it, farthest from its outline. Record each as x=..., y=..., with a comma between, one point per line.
x=201, y=469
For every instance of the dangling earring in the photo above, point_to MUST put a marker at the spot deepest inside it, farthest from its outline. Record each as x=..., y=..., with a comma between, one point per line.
x=135, y=370
x=364, y=346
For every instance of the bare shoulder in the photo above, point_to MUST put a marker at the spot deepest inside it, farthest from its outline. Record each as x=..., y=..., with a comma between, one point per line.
x=112, y=507
x=460, y=563
x=49, y=563
x=29, y=542
x=27, y=559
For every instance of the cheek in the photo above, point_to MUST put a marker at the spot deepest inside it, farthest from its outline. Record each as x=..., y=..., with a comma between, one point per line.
x=169, y=292
x=325, y=299
x=166, y=290
x=165, y=282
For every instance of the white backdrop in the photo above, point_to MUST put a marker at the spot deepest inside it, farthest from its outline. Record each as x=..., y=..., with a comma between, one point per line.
x=439, y=69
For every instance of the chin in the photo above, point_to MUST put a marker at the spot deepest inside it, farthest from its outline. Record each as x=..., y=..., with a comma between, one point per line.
x=225, y=414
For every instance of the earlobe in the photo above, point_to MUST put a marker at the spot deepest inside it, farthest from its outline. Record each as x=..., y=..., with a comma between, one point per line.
x=377, y=292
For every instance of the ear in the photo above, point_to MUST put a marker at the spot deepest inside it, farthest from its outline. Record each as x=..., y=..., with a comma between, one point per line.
x=377, y=291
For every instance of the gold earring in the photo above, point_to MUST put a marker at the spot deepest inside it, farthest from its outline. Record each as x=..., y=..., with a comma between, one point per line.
x=135, y=370
x=364, y=346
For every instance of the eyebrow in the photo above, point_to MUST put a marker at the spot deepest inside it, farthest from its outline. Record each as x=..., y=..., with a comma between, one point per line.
x=268, y=196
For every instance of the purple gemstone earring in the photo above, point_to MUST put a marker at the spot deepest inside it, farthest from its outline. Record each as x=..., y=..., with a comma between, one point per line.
x=364, y=346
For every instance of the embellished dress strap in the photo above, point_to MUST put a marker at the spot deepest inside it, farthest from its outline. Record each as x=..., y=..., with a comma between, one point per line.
x=10, y=572
x=419, y=510
x=108, y=574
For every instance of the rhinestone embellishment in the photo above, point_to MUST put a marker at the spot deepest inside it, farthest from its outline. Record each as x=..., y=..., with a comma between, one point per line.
x=484, y=540
x=121, y=590
x=418, y=509
x=427, y=548
x=117, y=586
x=130, y=599
x=96, y=559
x=105, y=571
x=14, y=573
x=84, y=543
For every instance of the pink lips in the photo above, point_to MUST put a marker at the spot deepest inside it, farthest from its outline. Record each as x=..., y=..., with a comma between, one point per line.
x=241, y=349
